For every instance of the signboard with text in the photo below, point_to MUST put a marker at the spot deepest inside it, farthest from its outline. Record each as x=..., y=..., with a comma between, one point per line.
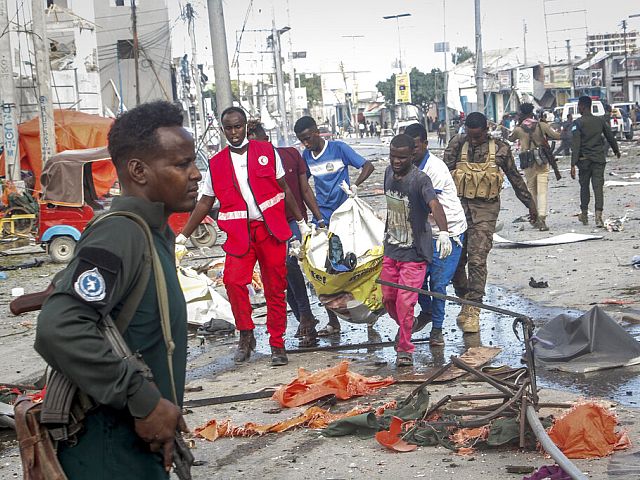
x=403, y=88
x=587, y=78
x=524, y=80
x=557, y=77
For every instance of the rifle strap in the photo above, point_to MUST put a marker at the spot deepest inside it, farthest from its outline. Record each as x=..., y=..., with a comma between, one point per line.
x=131, y=303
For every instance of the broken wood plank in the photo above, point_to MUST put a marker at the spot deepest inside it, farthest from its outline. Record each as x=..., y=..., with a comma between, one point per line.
x=474, y=356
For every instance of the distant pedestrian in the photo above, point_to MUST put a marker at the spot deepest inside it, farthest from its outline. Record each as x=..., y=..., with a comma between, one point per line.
x=378, y=129
x=361, y=129
x=372, y=129
x=565, y=137
x=588, y=154
x=442, y=134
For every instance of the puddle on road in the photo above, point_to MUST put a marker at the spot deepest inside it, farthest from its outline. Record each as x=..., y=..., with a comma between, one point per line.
x=621, y=385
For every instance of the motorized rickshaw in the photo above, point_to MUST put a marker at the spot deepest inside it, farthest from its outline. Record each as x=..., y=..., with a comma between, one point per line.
x=69, y=201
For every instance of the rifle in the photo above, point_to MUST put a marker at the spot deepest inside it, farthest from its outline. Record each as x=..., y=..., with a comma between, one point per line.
x=546, y=152
x=30, y=302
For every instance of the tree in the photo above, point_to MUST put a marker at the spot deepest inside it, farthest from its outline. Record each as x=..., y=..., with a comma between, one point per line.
x=426, y=88
x=313, y=84
x=461, y=54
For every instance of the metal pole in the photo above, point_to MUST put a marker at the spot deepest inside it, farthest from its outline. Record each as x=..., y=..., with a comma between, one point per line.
x=282, y=107
x=224, y=98
x=570, y=62
x=446, y=73
x=195, y=72
x=43, y=75
x=524, y=39
x=626, y=63
x=551, y=448
x=399, y=43
x=136, y=53
x=479, y=65
x=8, y=101
x=292, y=74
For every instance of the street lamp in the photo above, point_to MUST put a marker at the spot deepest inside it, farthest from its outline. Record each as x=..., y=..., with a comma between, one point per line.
x=277, y=55
x=397, y=17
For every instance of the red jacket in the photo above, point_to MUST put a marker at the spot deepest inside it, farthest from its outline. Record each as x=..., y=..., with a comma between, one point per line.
x=233, y=217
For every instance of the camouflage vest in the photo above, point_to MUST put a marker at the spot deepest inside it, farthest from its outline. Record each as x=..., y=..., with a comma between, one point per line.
x=478, y=180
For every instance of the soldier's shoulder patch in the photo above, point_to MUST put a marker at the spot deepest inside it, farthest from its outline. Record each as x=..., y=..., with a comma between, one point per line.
x=95, y=275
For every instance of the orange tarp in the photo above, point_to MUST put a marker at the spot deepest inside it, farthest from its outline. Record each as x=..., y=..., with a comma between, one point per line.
x=338, y=381
x=588, y=431
x=312, y=417
x=74, y=130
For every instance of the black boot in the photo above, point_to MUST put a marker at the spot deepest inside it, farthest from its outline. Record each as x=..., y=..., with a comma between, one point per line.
x=246, y=344
x=278, y=356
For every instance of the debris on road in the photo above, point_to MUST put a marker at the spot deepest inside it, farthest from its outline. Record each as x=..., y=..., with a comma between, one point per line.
x=337, y=380
x=545, y=242
x=593, y=341
x=538, y=284
x=588, y=431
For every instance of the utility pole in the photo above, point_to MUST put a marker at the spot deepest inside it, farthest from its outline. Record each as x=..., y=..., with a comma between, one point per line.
x=479, y=64
x=195, y=72
x=626, y=63
x=277, y=57
x=446, y=72
x=524, y=39
x=43, y=75
x=353, y=116
x=292, y=73
x=224, y=98
x=570, y=62
x=398, y=17
x=136, y=52
x=8, y=103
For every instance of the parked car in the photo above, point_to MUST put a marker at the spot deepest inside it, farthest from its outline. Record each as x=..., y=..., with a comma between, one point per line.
x=386, y=135
x=621, y=123
x=325, y=132
x=597, y=109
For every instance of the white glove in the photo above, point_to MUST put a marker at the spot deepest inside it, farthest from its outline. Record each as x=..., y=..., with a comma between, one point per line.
x=443, y=245
x=304, y=228
x=294, y=248
x=181, y=239
x=354, y=190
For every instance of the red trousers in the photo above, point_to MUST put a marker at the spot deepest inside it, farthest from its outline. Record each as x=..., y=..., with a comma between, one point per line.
x=271, y=255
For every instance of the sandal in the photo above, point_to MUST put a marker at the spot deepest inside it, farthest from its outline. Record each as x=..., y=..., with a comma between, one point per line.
x=404, y=359
x=328, y=330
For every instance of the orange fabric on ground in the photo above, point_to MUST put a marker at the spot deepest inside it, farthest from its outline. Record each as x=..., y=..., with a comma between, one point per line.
x=588, y=431
x=312, y=417
x=338, y=381
x=74, y=130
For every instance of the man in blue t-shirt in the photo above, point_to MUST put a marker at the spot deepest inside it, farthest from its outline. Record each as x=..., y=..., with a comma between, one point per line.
x=328, y=162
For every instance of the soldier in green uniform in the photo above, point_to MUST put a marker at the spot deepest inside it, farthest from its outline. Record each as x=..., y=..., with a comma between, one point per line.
x=588, y=154
x=130, y=434
x=477, y=163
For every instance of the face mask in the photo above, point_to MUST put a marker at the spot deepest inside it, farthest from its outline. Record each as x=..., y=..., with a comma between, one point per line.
x=244, y=142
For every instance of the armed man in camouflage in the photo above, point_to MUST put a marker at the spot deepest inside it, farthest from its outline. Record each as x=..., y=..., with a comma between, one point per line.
x=477, y=163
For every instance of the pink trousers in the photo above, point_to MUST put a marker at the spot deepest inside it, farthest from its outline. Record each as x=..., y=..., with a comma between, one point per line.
x=400, y=303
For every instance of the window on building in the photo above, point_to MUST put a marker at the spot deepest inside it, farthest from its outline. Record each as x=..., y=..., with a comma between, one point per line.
x=125, y=49
x=120, y=3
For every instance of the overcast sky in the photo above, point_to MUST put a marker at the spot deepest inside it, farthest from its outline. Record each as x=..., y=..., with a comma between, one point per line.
x=319, y=28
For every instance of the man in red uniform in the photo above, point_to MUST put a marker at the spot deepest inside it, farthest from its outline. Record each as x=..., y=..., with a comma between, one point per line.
x=296, y=177
x=248, y=178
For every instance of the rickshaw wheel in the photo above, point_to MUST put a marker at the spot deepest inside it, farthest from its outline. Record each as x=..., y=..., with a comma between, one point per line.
x=61, y=249
x=205, y=235
x=20, y=227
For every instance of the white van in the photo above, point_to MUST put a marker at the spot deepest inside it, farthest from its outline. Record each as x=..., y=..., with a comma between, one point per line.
x=597, y=109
